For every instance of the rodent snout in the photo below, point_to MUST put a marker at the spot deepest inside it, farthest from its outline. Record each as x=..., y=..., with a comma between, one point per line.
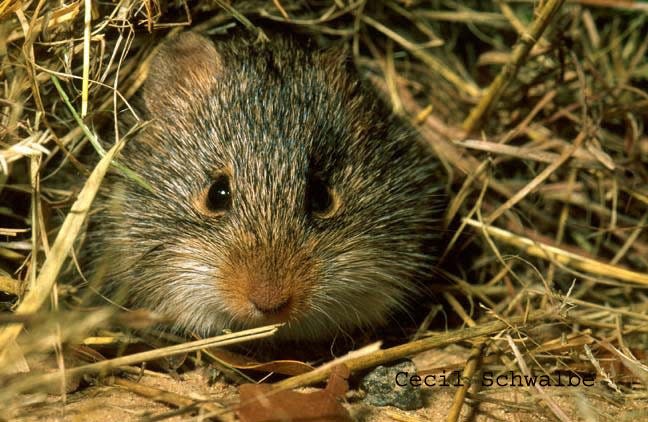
x=272, y=304
x=261, y=286
x=267, y=299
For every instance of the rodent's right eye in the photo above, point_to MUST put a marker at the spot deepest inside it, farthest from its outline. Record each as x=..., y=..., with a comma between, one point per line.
x=219, y=196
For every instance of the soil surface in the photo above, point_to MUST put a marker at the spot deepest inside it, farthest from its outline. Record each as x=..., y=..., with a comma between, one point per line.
x=115, y=403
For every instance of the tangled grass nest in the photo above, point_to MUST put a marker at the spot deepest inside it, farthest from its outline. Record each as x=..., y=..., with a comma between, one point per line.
x=537, y=110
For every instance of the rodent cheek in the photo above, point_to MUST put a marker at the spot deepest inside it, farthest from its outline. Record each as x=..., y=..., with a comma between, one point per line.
x=262, y=285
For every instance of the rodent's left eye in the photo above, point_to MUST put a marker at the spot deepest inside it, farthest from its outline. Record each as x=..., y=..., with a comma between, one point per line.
x=321, y=200
x=219, y=196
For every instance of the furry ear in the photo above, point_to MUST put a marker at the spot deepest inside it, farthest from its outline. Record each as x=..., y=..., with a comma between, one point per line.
x=336, y=57
x=184, y=68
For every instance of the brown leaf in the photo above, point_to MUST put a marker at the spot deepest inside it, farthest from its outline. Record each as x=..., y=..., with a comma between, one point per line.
x=259, y=403
x=283, y=367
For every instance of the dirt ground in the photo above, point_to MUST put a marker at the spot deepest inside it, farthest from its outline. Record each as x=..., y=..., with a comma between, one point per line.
x=115, y=403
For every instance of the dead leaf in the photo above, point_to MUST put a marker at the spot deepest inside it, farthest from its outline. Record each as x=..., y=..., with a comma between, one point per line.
x=283, y=367
x=259, y=403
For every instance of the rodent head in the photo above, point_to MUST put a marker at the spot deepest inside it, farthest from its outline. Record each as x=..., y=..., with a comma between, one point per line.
x=283, y=191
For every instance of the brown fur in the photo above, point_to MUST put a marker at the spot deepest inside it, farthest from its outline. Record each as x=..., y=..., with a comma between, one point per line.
x=187, y=65
x=278, y=119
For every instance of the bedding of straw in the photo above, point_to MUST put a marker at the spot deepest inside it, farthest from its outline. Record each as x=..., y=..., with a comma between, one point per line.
x=537, y=109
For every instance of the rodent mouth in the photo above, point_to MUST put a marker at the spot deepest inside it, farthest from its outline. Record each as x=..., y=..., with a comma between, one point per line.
x=262, y=285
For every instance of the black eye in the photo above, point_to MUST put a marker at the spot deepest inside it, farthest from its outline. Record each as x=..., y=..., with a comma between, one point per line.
x=320, y=199
x=219, y=196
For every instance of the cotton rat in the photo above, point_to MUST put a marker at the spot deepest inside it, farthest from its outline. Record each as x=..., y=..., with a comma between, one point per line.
x=283, y=190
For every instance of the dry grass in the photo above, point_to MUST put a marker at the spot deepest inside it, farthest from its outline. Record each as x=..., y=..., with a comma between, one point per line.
x=538, y=111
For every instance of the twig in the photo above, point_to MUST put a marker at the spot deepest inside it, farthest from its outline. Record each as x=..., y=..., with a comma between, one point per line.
x=474, y=361
x=562, y=256
x=48, y=275
x=166, y=397
x=509, y=71
x=539, y=179
x=387, y=355
x=29, y=383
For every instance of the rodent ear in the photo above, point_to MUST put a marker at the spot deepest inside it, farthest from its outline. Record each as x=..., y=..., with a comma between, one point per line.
x=336, y=57
x=185, y=67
